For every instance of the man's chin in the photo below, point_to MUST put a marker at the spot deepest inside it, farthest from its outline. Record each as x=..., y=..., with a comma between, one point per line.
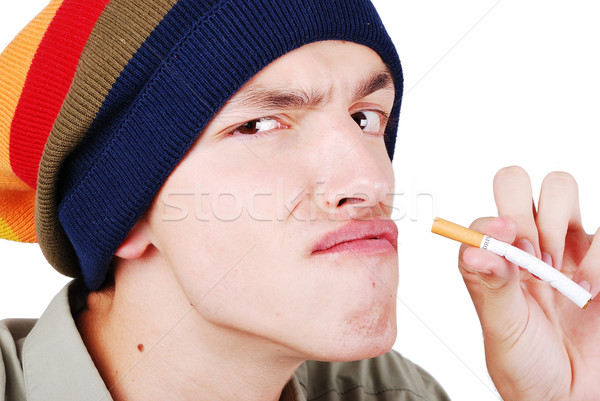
x=360, y=346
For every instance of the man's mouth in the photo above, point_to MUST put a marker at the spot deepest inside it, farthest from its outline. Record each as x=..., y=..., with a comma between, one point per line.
x=360, y=237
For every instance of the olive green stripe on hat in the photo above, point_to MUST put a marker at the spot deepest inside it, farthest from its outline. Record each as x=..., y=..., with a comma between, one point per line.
x=118, y=34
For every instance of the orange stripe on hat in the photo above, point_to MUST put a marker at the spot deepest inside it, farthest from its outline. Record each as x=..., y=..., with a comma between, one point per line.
x=15, y=216
x=15, y=62
x=36, y=71
x=17, y=199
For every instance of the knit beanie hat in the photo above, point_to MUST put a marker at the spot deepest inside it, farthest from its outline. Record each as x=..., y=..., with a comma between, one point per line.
x=100, y=99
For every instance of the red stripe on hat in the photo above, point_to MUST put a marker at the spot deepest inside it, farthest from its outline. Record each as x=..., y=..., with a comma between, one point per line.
x=48, y=82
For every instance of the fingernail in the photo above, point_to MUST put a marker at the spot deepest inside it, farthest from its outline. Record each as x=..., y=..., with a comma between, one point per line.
x=524, y=245
x=586, y=286
x=547, y=258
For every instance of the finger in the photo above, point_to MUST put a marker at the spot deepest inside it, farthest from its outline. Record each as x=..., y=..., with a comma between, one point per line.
x=588, y=274
x=502, y=228
x=558, y=216
x=470, y=273
x=492, y=281
x=512, y=192
x=494, y=286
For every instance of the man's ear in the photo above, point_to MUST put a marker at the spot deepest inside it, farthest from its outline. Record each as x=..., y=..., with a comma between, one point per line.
x=136, y=243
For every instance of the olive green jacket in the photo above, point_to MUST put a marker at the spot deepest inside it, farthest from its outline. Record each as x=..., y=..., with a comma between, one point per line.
x=46, y=360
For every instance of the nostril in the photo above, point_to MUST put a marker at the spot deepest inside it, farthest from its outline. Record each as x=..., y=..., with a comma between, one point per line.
x=349, y=200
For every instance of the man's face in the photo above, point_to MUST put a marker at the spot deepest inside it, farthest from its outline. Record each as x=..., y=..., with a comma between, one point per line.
x=276, y=224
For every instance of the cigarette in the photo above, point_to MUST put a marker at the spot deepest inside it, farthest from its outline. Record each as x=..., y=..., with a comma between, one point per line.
x=535, y=266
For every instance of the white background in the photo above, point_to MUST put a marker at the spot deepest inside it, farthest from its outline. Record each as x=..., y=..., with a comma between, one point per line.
x=488, y=83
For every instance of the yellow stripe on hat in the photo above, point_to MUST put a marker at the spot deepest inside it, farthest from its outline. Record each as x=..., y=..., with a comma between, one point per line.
x=16, y=210
x=6, y=232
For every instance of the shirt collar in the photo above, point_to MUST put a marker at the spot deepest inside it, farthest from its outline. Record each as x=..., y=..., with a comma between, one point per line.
x=56, y=362
x=293, y=390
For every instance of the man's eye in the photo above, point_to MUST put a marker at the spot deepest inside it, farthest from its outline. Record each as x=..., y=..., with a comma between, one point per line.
x=257, y=126
x=369, y=121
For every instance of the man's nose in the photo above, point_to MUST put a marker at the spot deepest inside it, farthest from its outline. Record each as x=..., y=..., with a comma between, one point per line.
x=355, y=176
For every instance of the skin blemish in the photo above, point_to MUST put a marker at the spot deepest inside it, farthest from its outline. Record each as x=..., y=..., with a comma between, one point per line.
x=140, y=347
x=370, y=322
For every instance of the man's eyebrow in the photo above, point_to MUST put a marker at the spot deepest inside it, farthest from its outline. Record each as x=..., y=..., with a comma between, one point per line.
x=284, y=99
x=375, y=82
x=259, y=98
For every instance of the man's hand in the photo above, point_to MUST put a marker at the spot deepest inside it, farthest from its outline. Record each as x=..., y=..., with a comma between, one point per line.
x=539, y=345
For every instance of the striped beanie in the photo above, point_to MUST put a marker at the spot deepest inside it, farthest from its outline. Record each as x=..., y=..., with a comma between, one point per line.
x=100, y=99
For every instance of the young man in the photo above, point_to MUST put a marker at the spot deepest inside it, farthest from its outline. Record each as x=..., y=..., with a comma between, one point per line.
x=217, y=177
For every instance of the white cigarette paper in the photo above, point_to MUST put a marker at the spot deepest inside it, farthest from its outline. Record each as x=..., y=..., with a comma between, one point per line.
x=535, y=266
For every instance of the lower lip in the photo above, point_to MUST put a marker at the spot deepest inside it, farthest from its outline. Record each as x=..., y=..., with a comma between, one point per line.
x=360, y=247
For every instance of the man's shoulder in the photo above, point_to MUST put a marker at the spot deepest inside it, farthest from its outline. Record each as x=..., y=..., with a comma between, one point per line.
x=15, y=329
x=12, y=336
x=387, y=377
x=47, y=359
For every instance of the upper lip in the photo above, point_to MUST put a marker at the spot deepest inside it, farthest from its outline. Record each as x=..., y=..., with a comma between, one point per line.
x=359, y=230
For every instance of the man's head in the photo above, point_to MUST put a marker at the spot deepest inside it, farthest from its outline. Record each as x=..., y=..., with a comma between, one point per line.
x=136, y=85
x=276, y=222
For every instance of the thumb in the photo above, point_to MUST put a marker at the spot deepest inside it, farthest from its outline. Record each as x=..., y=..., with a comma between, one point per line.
x=495, y=287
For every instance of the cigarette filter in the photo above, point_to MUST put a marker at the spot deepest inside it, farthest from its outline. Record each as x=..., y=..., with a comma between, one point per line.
x=517, y=256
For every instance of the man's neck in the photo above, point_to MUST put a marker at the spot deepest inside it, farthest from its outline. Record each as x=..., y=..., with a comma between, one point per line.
x=149, y=345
